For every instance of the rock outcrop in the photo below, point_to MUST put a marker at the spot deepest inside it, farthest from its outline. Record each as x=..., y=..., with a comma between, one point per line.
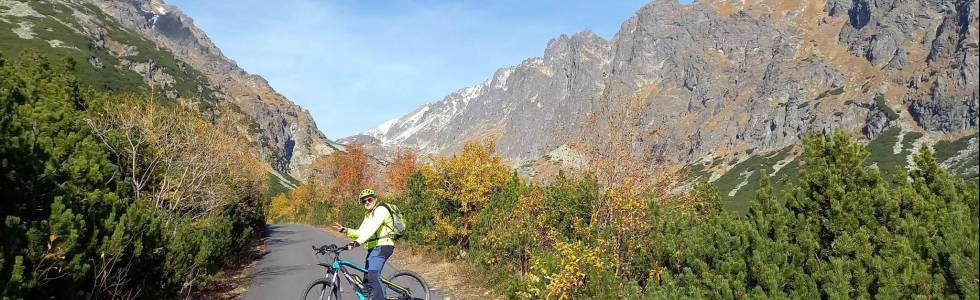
x=718, y=77
x=287, y=136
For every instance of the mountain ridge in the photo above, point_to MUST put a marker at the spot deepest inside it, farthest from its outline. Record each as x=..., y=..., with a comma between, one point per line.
x=148, y=45
x=290, y=139
x=718, y=78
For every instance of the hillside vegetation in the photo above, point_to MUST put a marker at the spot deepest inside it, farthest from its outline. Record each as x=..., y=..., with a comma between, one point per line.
x=111, y=196
x=738, y=178
x=840, y=230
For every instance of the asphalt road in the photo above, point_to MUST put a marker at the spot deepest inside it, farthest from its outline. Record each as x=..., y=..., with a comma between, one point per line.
x=290, y=264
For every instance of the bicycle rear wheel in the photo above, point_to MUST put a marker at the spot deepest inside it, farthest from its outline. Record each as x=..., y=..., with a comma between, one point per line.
x=406, y=285
x=321, y=289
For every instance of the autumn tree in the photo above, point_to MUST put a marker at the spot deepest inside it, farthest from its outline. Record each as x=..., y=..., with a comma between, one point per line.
x=343, y=173
x=399, y=170
x=463, y=184
x=178, y=160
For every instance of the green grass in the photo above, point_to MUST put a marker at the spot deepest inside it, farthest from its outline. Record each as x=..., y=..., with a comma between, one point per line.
x=882, y=151
x=831, y=92
x=291, y=180
x=948, y=149
x=697, y=172
x=189, y=83
x=764, y=163
x=276, y=187
x=48, y=28
x=889, y=112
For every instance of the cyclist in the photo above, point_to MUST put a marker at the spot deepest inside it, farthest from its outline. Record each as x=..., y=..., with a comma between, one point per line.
x=375, y=233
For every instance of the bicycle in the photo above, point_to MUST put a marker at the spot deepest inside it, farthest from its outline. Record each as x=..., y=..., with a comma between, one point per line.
x=410, y=285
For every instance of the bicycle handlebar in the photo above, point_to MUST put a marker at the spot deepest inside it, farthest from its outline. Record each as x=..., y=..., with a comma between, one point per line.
x=328, y=248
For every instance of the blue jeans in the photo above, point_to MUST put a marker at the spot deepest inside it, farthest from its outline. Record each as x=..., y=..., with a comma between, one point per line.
x=374, y=262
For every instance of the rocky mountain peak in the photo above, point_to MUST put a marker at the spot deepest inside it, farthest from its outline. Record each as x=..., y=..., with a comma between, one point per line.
x=718, y=78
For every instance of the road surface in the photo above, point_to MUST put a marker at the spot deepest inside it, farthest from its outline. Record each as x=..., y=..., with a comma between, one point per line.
x=289, y=264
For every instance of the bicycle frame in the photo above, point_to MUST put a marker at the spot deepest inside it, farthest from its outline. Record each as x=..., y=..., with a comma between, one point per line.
x=338, y=267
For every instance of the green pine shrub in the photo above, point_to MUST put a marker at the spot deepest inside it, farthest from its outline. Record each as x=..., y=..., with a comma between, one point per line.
x=840, y=230
x=73, y=225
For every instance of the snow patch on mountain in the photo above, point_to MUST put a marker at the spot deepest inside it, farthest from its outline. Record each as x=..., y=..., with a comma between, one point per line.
x=402, y=130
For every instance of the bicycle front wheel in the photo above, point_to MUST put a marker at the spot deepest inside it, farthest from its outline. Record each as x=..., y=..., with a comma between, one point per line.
x=406, y=285
x=321, y=289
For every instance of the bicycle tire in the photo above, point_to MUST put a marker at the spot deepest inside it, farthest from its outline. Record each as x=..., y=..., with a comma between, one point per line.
x=419, y=289
x=327, y=286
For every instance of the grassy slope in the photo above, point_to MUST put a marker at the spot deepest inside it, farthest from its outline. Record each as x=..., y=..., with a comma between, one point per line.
x=948, y=149
x=756, y=164
x=59, y=24
x=276, y=186
x=881, y=155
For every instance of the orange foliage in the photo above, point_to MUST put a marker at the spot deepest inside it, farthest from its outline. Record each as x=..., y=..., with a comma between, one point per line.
x=351, y=174
x=406, y=161
x=345, y=174
x=306, y=193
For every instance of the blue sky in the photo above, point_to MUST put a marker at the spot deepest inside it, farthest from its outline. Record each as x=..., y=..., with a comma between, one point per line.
x=356, y=64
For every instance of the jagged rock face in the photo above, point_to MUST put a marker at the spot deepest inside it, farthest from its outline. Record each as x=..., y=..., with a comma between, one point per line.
x=286, y=137
x=527, y=107
x=720, y=77
x=881, y=30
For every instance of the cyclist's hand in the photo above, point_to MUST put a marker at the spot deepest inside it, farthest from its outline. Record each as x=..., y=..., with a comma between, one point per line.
x=339, y=228
x=352, y=245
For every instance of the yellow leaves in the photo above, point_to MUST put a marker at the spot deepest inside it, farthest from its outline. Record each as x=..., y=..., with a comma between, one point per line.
x=575, y=262
x=471, y=176
x=655, y=274
x=628, y=209
x=51, y=239
x=192, y=166
x=466, y=181
x=623, y=208
x=297, y=205
x=281, y=206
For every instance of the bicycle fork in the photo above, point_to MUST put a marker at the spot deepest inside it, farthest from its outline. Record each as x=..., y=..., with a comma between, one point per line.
x=335, y=284
x=356, y=282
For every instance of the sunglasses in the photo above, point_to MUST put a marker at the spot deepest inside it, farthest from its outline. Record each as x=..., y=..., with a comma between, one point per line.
x=367, y=199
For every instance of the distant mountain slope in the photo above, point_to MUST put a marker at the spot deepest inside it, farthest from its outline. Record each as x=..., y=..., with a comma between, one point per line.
x=129, y=44
x=719, y=79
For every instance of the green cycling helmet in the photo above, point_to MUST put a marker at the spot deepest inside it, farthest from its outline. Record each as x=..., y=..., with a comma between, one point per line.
x=365, y=193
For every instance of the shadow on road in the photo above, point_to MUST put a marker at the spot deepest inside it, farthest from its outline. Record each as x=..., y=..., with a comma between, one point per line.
x=268, y=274
x=278, y=229
x=278, y=243
x=277, y=236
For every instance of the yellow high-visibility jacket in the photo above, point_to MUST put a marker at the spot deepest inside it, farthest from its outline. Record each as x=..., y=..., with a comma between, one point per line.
x=375, y=230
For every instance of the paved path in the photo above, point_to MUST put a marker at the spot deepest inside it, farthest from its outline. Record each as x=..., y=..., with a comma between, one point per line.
x=290, y=264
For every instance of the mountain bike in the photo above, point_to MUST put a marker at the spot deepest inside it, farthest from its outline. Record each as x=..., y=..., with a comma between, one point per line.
x=403, y=285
